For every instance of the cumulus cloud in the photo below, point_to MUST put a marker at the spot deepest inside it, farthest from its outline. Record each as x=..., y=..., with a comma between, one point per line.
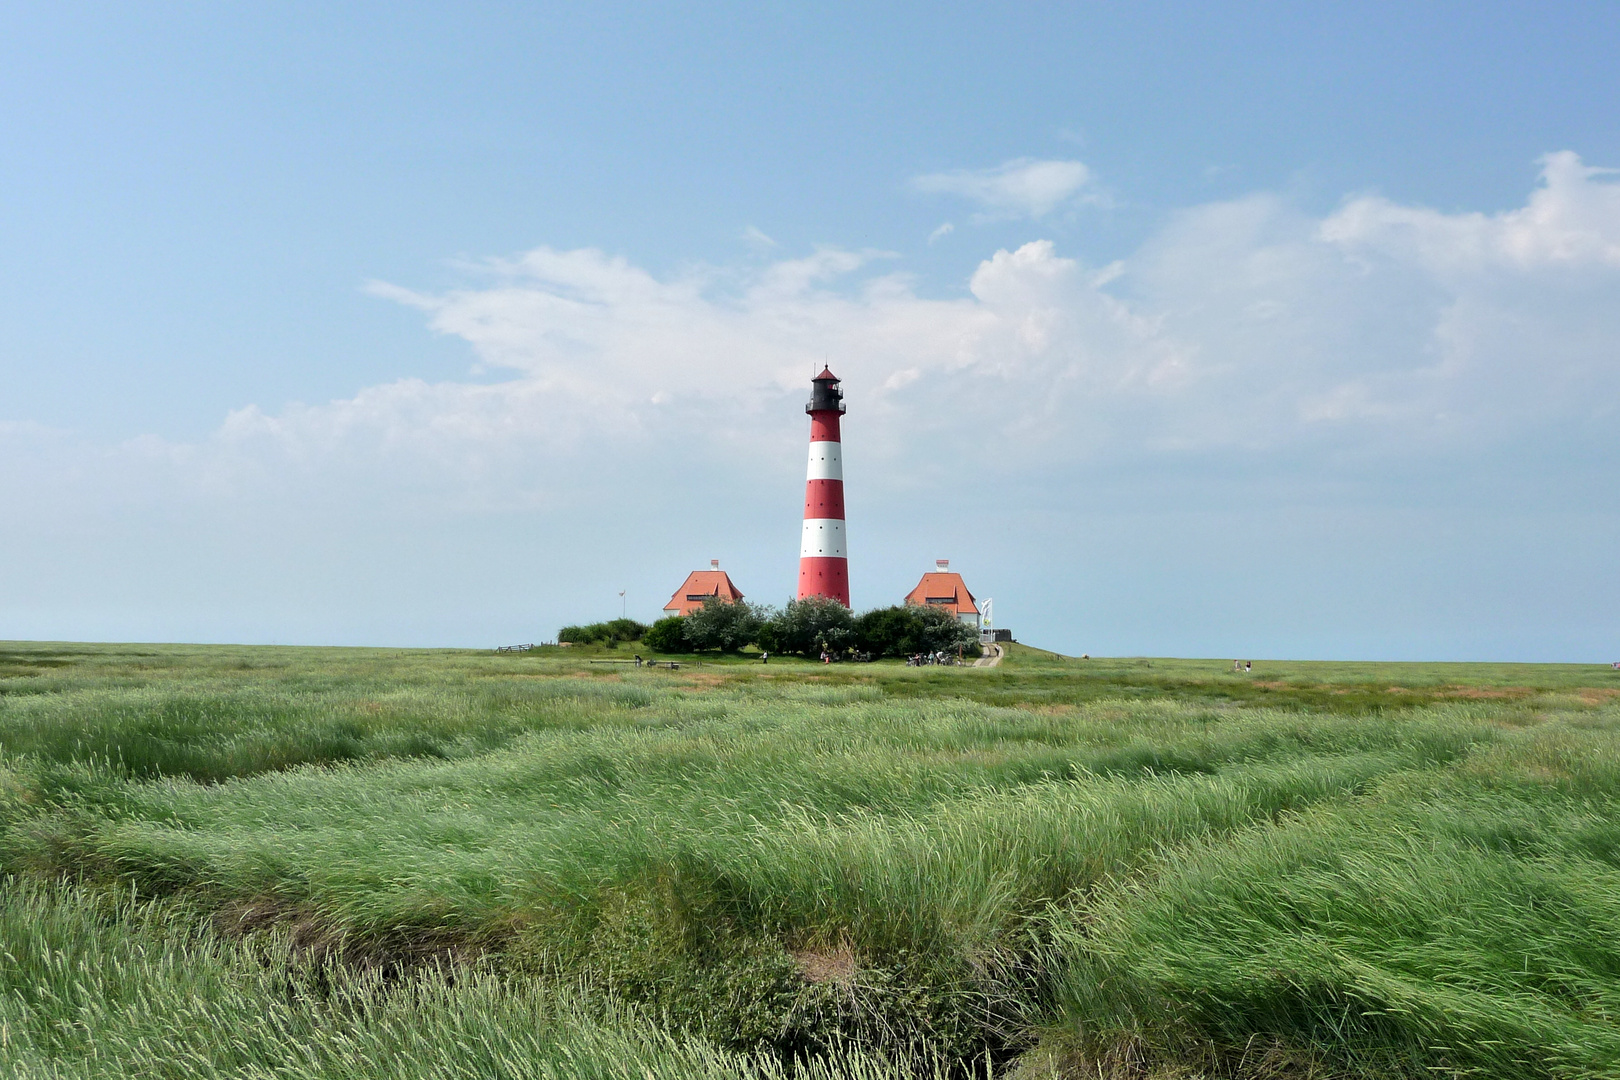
x=1247, y=325
x=1021, y=188
x=1378, y=332
x=1572, y=220
x=596, y=343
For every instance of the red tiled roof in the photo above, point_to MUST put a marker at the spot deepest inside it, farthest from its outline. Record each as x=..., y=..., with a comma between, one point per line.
x=945, y=586
x=701, y=583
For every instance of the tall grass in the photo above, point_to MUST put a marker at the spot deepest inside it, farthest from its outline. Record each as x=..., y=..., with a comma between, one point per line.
x=477, y=861
x=860, y=817
x=1465, y=923
x=213, y=734
x=99, y=988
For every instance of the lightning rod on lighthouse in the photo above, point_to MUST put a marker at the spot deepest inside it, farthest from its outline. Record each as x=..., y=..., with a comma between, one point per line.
x=823, y=553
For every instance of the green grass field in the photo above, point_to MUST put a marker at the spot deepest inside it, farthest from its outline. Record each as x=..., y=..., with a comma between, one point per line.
x=265, y=862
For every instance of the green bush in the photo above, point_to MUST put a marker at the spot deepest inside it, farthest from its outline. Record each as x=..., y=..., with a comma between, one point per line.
x=608, y=633
x=805, y=627
x=726, y=625
x=910, y=629
x=667, y=635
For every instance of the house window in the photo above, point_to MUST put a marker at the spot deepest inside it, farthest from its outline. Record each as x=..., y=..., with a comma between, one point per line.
x=942, y=599
x=700, y=597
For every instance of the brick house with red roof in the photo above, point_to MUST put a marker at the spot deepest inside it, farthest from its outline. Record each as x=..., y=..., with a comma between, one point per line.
x=943, y=588
x=699, y=586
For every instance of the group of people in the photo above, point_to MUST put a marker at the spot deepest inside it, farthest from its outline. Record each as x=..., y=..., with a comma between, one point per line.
x=920, y=659
x=1242, y=665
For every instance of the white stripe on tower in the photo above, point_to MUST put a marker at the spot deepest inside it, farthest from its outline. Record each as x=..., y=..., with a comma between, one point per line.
x=826, y=461
x=823, y=539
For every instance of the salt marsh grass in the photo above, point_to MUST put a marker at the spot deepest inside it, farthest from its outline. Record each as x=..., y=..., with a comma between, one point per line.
x=102, y=987
x=526, y=865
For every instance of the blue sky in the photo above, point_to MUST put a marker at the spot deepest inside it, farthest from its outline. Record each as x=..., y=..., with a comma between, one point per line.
x=1197, y=330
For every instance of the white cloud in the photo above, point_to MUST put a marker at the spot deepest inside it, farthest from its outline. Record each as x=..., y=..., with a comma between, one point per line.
x=1023, y=187
x=1245, y=341
x=592, y=340
x=1246, y=324
x=1572, y=220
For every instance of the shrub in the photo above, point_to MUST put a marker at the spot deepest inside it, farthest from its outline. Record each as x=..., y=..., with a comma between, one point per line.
x=667, y=635
x=883, y=631
x=625, y=629
x=910, y=629
x=944, y=632
x=608, y=633
x=805, y=627
x=726, y=625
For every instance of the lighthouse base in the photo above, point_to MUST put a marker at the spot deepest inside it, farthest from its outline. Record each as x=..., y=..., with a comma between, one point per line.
x=824, y=577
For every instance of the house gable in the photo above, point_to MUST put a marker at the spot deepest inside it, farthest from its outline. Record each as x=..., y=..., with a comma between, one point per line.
x=698, y=587
x=942, y=588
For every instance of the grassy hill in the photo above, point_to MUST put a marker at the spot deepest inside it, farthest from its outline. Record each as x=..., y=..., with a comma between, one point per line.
x=338, y=862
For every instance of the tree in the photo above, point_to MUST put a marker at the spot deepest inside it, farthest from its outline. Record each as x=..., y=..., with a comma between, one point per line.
x=805, y=627
x=726, y=625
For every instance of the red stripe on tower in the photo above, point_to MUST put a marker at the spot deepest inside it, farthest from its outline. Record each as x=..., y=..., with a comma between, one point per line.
x=823, y=557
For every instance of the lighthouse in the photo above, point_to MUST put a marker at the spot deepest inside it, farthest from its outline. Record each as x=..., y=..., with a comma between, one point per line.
x=823, y=555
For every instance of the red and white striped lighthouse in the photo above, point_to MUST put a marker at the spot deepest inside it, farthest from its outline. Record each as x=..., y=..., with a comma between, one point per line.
x=823, y=556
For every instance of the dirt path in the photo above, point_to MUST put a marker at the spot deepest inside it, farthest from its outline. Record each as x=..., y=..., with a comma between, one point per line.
x=993, y=659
